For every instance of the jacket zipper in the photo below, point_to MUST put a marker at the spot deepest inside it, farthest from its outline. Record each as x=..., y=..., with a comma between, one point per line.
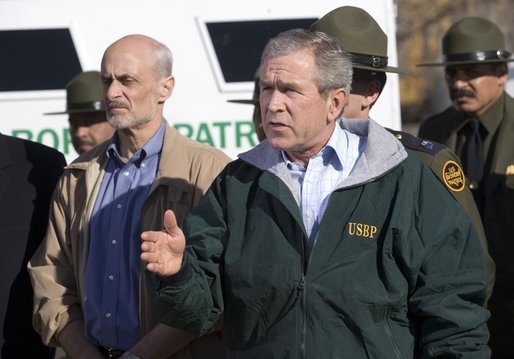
x=302, y=295
x=389, y=332
x=303, y=334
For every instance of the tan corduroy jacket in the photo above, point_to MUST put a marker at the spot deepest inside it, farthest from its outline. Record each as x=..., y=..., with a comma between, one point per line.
x=57, y=269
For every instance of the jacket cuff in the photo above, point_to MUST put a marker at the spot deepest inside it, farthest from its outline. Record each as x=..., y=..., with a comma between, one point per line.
x=72, y=314
x=182, y=276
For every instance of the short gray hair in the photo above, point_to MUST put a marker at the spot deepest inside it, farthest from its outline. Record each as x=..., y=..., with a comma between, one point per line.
x=163, y=60
x=333, y=65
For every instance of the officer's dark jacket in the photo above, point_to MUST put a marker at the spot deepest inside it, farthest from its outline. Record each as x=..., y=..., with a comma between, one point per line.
x=498, y=183
x=446, y=166
x=397, y=270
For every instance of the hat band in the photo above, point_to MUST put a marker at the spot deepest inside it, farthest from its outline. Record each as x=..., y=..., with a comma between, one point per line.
x=479, y=56
x=377, y=62
x=95, y=105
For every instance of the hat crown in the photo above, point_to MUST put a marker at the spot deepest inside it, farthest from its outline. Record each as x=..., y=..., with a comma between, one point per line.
x=355, y=29
x=471, y=35
x=86, y=87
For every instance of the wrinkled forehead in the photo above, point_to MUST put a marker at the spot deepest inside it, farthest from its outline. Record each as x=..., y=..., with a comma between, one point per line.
x=129, y=52
x=300, y=63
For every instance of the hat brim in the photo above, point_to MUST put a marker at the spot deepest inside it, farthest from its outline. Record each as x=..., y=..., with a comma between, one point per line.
x=70, y=112
x=247, y=102
x=392, y=69
x=469, y=62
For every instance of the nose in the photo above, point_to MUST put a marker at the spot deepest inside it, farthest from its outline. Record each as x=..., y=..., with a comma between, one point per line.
x=276, y=103
x=457, y=79
x=81, y=131
x=112, y=90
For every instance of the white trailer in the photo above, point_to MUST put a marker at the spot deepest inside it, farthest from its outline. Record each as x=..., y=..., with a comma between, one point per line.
x=215, y=44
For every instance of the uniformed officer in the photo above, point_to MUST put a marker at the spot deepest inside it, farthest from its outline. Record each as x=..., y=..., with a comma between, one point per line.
x=86, y=111
x=256, y=118
x=360, y=35
x=479, y=128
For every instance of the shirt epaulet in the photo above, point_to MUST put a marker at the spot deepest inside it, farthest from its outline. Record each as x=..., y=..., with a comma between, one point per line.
x=417, y=144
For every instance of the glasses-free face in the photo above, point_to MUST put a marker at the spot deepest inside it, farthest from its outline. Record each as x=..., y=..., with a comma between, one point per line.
x=295, y=116
x=475, y=88
x=88, y=130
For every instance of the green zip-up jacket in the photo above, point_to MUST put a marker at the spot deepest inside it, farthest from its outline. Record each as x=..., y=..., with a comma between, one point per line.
x=397, y=270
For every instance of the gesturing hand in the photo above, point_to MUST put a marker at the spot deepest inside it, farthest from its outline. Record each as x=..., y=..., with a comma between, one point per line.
x=164, y=250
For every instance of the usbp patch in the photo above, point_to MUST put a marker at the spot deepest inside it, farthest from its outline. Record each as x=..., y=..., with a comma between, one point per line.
x=453, y=176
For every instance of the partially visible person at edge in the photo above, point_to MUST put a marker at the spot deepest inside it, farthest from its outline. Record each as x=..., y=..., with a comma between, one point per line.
x=86, y=112
x=479, y=127
x=361, y=36
x=28, y=174
x=326, y=240
x=90, y=295
x=256, y=117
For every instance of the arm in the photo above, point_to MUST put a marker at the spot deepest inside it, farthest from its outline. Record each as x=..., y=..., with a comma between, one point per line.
x=74, y=342
x=56, y=301
x=188, y=281
x=161, y=342
x=450, y=278
x=441, y=167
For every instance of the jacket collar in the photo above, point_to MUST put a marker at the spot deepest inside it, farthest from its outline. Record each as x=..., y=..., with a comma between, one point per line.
x=172, y=152
x=493, y=117
x=382, y=153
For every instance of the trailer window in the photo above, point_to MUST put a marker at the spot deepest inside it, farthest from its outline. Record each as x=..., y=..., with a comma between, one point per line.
x=39, y=59
x=238, y=45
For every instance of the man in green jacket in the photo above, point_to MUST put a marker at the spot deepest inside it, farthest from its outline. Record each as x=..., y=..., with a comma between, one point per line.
x=479, y=128
x=326, y=240
x=361, y=36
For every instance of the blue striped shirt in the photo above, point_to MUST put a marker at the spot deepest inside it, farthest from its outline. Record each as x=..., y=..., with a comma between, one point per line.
x=111, y=301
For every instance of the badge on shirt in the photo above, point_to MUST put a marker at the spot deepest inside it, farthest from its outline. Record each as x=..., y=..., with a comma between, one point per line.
x=453, y=176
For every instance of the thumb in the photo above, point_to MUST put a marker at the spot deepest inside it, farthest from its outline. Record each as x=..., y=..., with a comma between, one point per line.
x=170, y=222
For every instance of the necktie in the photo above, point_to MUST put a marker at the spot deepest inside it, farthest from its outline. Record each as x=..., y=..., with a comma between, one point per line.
x=474, y=163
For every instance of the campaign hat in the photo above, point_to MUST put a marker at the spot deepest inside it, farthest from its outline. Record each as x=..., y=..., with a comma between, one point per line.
x=84, y=94
x=473, y=40
x=360, y=35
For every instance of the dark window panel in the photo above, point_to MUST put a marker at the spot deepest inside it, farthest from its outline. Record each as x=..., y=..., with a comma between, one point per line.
x=39, y=59
x=239, y=44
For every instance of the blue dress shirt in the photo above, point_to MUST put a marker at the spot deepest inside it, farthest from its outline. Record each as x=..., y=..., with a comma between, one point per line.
x=111, y=300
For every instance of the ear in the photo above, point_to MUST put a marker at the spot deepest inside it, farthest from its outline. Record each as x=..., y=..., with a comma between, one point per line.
x=503, y=74
x=166, y=87
x=372, y=93
x=336, y=101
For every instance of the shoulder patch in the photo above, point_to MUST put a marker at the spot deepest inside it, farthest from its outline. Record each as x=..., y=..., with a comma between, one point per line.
x=453, y=176
x=417, y=144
